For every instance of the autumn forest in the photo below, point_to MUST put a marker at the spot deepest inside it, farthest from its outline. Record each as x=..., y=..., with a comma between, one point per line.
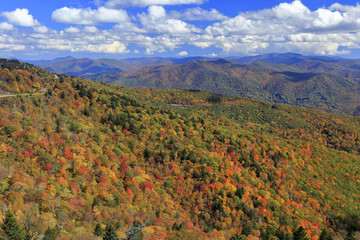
x=90, y=160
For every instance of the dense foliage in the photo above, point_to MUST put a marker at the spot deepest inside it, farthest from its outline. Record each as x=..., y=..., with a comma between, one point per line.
x=88, y=161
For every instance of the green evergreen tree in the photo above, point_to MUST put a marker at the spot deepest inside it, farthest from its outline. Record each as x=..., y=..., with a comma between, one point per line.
x=135, y=232
x=239, y=192
x=350, y=235
x=175, y=226
x=110, y=233
x=98, y=230
x=238, y=237
x=28, y=236
x=267, y=234
x=147, y=153
x=325, y=235
x=95, y=203
x=12, y=228
x=300, y=234
x=247, y=229
x=49, y=234
x=281, y=235
x=182, y=226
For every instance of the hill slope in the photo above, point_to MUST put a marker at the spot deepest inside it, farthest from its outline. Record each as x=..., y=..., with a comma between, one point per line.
x=296, y=84
x=208, y=167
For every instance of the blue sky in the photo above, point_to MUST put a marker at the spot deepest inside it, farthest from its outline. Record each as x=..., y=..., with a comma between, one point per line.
x=43, y=29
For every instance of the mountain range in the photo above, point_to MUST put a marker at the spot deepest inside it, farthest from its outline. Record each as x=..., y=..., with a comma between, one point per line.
x=311, y=83
x=86, y=67
x=326, y=83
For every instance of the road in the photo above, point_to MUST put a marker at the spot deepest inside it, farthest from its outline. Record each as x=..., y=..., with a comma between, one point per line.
x=25, y=94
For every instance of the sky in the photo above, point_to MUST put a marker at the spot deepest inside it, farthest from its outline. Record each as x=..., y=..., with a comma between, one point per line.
x=46, y=29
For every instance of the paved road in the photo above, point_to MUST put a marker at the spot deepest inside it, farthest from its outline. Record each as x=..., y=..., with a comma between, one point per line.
x=25, y=94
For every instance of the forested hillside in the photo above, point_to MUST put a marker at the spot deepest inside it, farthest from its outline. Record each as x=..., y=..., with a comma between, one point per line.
x=318, y=82
x=88, y=160
x=311, y=84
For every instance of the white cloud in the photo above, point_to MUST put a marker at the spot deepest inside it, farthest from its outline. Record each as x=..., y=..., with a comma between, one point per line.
x=72, y=30
x=287, y=27
x=290, y=10
x=9, y=43
x=201, y=41
x=145, y=3
x=198, y=14
x=115, y=47
x=158, y=44
x=86, y=29
x=284, y=18
x=77, y=40
x=326, y=18
x=20, y=17
x=156, y=20
x=89, y=16
x=90, y=29
x=156, y=12
x=11, y=47
x=6, y=26
x=41, y=29
x=128, y=27
x=289, y=18
x=182, y=54
x=277, y=28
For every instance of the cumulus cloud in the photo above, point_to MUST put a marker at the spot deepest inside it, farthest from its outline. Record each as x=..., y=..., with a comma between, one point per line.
x=41, y=29
x=128, y=27
x=145, y=3
x=90, y=29
x=6, y=26
x=198, y=14
x=82, y=30
x=20, y=17
x=277, y=28
x=72, y=30
x=288, y=18
x=156, y=12
x=89, y=16
x=11, y=47
x=287, y=27
x=157, y=20
x=9, y=43
x=115, y=47
x=284, y=18
x=326, y=18
x=182, y=54
x=76, y=40
x=158, y=44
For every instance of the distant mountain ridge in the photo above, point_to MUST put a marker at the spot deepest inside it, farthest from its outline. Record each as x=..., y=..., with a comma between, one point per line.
x=85, y=67
x=284, y=58
x=311, y=83
x=326, y=83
